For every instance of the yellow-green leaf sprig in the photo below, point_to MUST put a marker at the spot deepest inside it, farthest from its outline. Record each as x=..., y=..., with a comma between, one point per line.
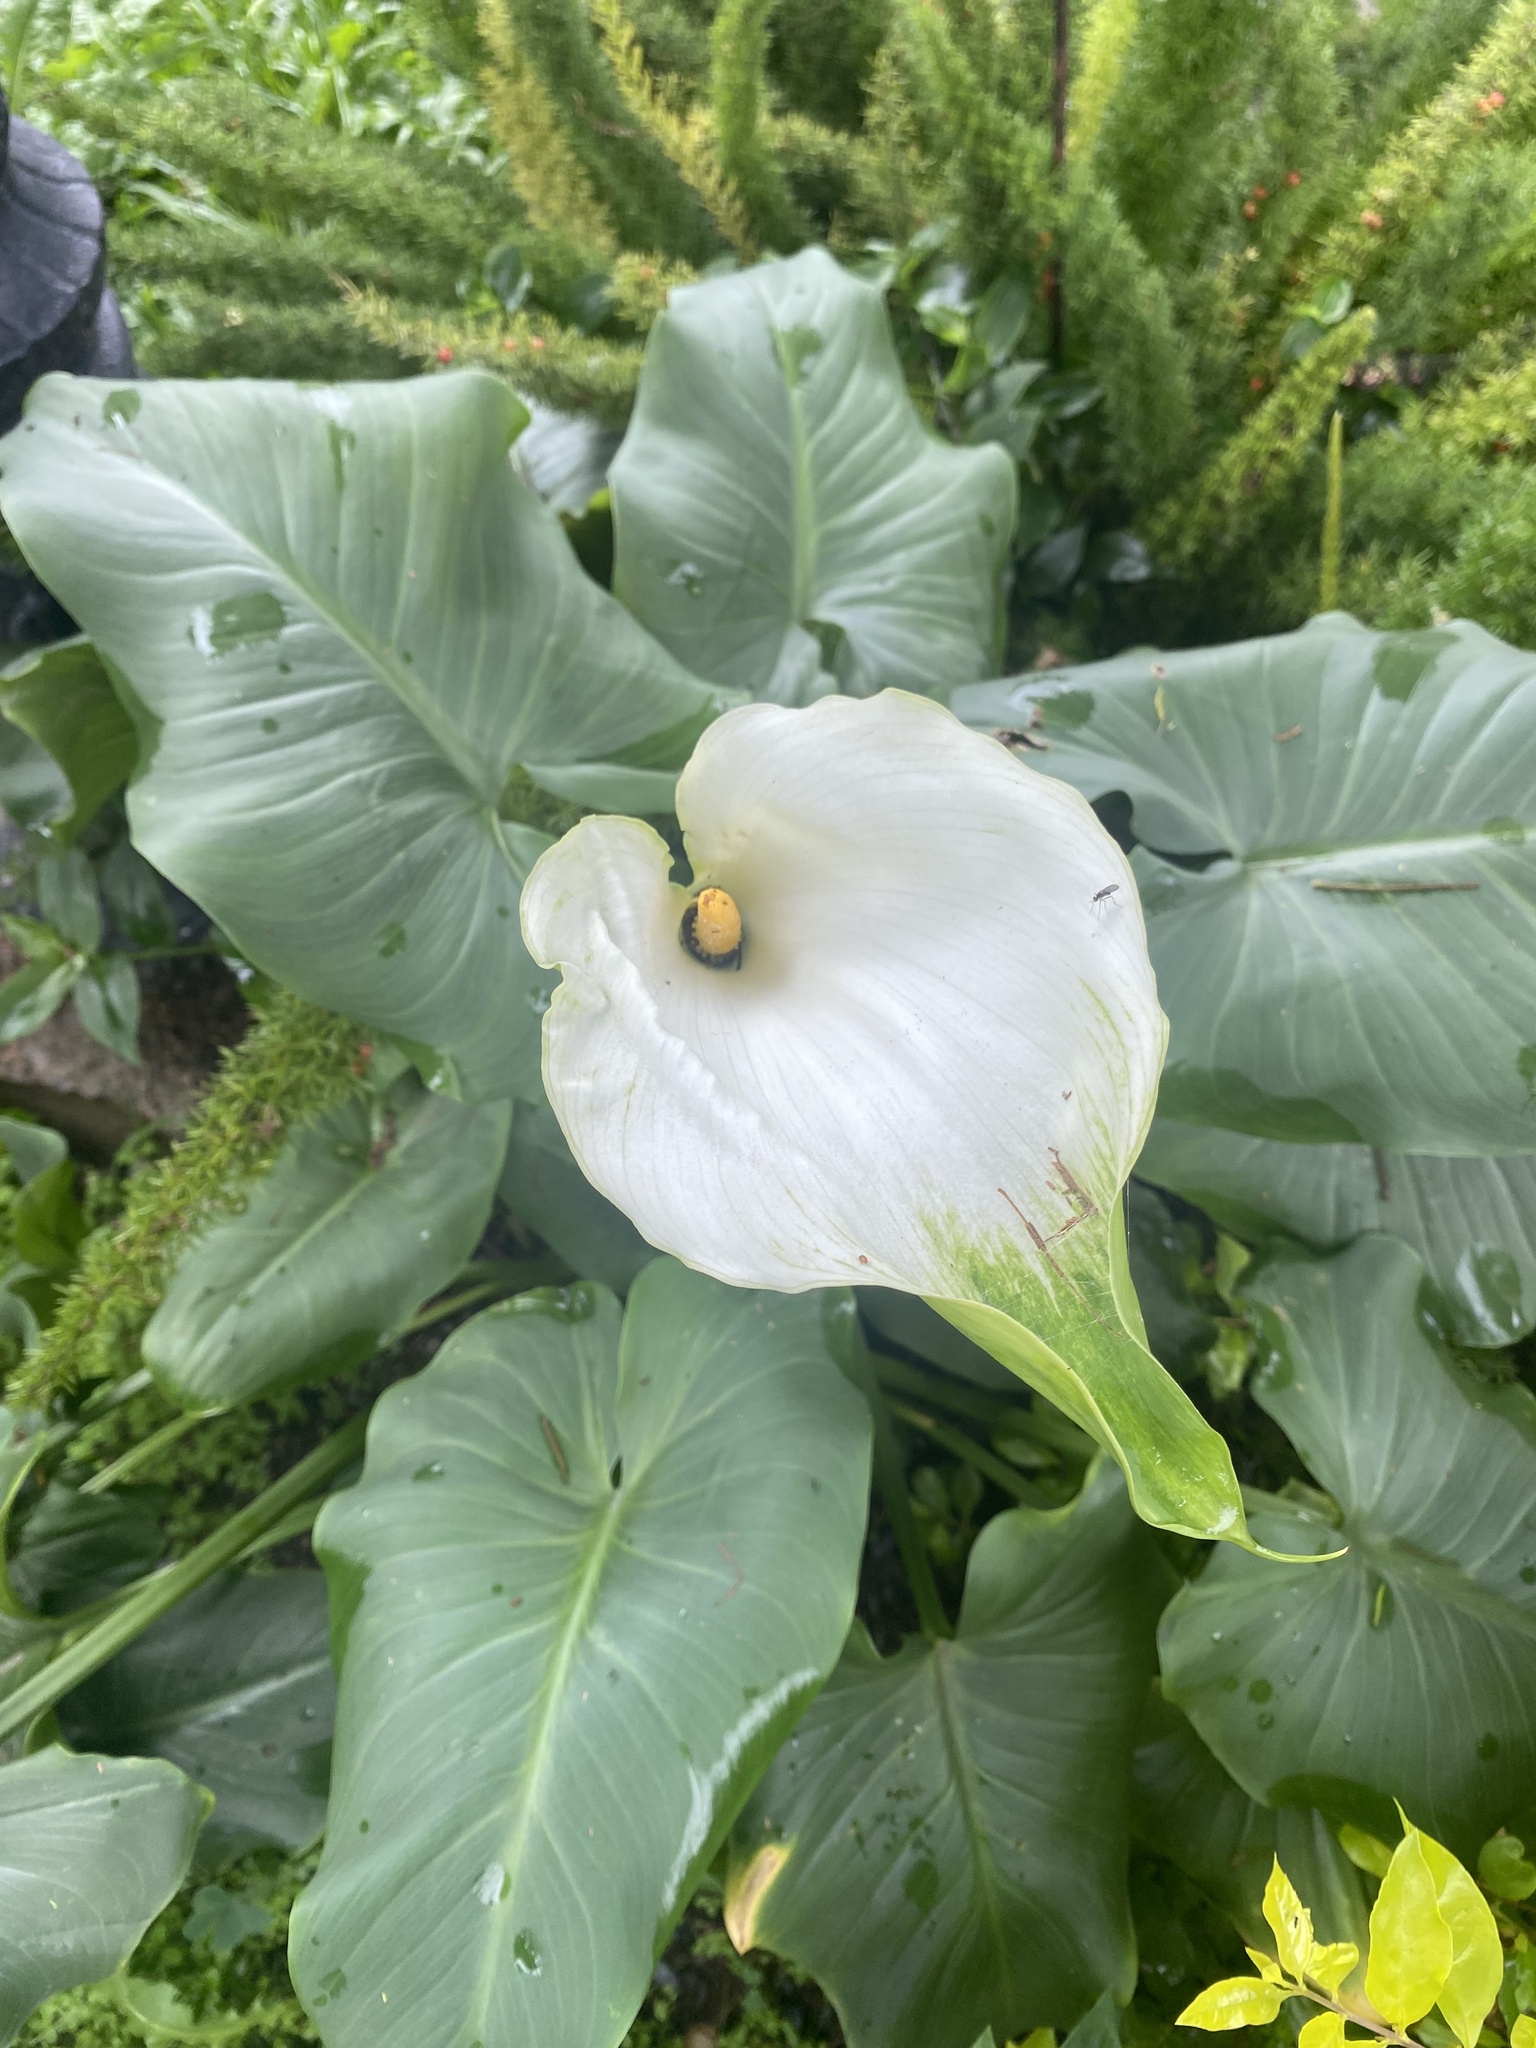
x=1433, y=1942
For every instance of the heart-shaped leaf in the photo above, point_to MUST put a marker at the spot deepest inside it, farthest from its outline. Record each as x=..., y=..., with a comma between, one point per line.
x=79, y=746
x=1363, y=810
x=91, y=1848
x=1408, y=1666
x=29, y=997
x=596, y=1577
x=76, y=1548
x=783, y=520
x=107, y=1004
x=1188, y=1809
x=33, y=1148
x=1471, y=1221
x=346, y=624
x=367, y=1212
x=235, y=1686
x=942, y=1842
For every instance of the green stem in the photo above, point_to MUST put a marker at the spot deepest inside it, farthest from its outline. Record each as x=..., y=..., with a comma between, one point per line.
x=902, y=1378
x=959, y=1445
x=1380, y=2030
x=156, y=1596
x=1333, y=519
x=448, y=1305
x=297, y=1522
x=496, y=1277
x=115, y=1395
x=891, y=1483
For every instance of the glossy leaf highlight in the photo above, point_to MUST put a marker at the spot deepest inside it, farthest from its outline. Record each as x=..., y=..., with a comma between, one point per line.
x=343, y=624
x=586, y=1584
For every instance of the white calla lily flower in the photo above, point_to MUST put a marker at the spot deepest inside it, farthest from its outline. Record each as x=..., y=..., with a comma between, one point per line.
x=903, y=1030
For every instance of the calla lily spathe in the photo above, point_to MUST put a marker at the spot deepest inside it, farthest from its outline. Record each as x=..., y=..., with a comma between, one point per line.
x=929, y=1066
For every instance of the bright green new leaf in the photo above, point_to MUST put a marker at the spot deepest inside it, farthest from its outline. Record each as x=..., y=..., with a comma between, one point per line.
x=91, y=1848
x=344, y=624
x=783, y=520
x=1289, y=1922
x=1471, y=1221
x=1366, y=1851
x=1373, y=800
x=1477, y=1956
x=234, y=1686
x=1411, y=1943
x=943, y=1841
x=1234, y=2002
x=1523, y=2033
x=1503, y=1869
x=368, y=1212
x=586, y=1585
x=1331, y=1962
x=61, y=698
x=1411, y=1661
x=1323, y=2030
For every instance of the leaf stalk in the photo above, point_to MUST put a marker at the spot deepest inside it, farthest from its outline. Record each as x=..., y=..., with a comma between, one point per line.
x=156, y=1596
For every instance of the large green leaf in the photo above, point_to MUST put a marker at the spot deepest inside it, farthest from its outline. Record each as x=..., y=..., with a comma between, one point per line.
x=75, y=1548
x=1407, y=1668
x=544, y=1188
x=942, y=1843
x=346, y=623
x=367, y=1212
x=91, y=1848
x=1187, y=1808
x=67, y=744
x=1354, y=958
x=783, y=520
x=235, y=1686
x=26, y=1642
x=1471, y=1221
x=596, y=1578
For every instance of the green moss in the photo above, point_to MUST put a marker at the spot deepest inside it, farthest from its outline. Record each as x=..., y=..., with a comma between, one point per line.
x=252, y=1976
x=296, y=1062
x=752, y=2001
